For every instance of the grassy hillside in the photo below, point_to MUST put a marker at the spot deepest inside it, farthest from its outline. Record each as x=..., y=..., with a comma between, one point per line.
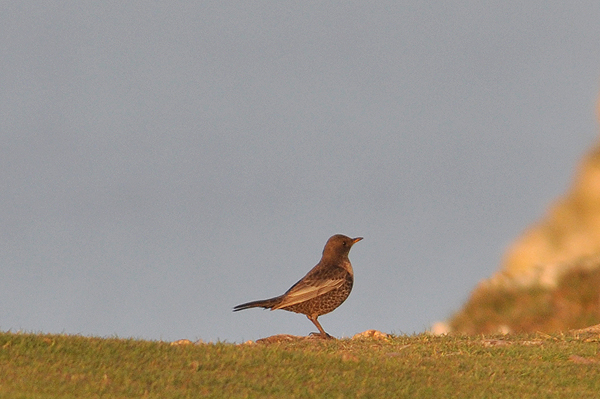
x=58, y=366
x=573, y=303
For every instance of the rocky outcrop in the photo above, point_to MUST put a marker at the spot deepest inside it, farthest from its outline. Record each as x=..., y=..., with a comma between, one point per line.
x=567, y=236
x=549, y=268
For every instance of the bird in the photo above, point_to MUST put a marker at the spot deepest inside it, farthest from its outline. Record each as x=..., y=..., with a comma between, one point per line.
x=322, y=289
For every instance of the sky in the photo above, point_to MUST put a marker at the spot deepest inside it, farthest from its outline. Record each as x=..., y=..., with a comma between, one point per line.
x=162, y=162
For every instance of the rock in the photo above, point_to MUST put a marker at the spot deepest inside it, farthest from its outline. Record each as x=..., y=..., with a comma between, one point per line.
x=181, y=342
x=280, y=338
x=440, y=328
x=567, y=236
x=373, y=334
x=541, y=266
x=588, y=330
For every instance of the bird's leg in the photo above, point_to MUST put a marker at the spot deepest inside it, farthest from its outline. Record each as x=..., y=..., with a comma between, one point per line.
x=316, y=323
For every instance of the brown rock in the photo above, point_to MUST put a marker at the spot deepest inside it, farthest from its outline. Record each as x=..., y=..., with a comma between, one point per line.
x=373, y=334
x=181, y=342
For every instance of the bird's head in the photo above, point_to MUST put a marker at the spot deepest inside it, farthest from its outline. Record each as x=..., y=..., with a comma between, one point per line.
x=338, y=246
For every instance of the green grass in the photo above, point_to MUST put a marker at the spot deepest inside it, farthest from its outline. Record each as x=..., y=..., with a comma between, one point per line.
x=61, y=366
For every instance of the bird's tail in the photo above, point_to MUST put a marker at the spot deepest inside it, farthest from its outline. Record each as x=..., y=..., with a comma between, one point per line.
x=264, y=303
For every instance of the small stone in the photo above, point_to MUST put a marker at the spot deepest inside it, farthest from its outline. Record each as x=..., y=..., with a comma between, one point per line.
x=504, y=329
x=589, y=330
x=279, y=338
x=440, y=328
x=181, y=342
x=374, y=334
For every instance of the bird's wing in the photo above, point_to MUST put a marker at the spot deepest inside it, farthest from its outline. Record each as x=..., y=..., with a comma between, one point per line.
x=311, y=287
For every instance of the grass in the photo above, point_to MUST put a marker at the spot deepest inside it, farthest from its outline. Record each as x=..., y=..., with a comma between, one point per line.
x=421, y=366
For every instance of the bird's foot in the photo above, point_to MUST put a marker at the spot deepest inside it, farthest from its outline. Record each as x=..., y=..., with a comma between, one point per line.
x=320, y=335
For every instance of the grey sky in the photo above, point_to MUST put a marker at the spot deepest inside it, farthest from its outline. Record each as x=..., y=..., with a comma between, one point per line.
x=162, y=162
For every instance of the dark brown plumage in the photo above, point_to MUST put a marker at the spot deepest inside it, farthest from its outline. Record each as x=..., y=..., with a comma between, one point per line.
x=322, y=290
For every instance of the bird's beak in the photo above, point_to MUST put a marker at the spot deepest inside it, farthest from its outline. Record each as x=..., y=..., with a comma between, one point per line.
x=355, y=240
